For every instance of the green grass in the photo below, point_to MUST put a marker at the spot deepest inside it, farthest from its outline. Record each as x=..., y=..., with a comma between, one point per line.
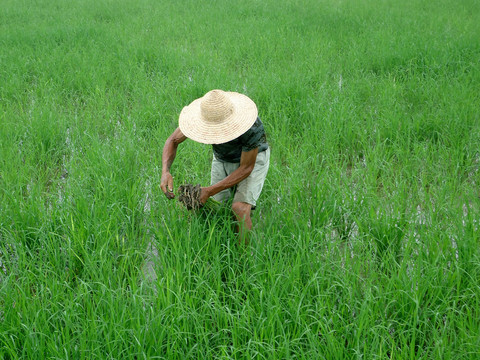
x=366, y=237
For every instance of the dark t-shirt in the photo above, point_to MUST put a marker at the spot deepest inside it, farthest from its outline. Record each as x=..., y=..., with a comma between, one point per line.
x=251, y=139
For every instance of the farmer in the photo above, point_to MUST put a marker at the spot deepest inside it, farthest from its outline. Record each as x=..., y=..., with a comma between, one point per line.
x=241, y=156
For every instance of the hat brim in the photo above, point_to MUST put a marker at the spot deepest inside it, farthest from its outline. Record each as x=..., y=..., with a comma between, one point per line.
x=195, y=127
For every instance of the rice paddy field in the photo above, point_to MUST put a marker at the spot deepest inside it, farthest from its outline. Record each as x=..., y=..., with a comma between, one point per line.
x=366, y=236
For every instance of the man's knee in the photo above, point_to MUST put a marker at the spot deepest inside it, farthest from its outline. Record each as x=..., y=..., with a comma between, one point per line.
x=241, y=209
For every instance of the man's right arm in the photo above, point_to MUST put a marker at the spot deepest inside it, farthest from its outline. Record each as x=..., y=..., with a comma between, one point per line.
x=168, y=155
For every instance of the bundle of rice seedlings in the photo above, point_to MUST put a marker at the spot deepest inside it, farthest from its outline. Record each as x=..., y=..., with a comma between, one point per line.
x=189, y=196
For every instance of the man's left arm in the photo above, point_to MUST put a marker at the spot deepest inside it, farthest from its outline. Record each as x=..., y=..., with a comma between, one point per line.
x=247, y=163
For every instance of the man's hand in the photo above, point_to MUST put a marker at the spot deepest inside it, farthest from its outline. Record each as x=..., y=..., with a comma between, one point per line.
x=204, y=195
x=167, y=185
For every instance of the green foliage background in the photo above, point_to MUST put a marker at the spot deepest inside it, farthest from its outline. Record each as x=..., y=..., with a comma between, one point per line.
x=366, y=240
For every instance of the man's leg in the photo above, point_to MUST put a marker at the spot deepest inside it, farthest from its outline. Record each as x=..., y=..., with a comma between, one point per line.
x=244, y=222
x=247, y=193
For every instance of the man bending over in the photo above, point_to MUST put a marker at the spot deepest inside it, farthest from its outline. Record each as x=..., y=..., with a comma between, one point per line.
x=229, y=122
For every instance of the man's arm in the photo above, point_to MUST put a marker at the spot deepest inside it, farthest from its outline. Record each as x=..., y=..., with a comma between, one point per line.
x=168, y=155
x=247, y=163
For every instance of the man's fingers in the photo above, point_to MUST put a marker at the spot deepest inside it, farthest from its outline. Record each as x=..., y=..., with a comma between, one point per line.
x=168, y=193
x=166, y=185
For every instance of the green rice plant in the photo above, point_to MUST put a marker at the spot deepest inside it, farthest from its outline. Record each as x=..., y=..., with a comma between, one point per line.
x=365, y=237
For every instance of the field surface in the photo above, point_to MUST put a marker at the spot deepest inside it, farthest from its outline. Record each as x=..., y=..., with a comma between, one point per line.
x=366, y=237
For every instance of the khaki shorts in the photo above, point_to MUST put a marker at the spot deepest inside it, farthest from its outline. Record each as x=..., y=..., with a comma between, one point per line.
x=247, y=190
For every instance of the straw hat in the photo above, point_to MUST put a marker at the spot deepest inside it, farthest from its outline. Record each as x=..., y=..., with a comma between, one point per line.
x=218, y=117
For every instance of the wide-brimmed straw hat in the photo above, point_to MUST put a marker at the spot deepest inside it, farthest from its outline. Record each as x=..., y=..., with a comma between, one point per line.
x=218, y=117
